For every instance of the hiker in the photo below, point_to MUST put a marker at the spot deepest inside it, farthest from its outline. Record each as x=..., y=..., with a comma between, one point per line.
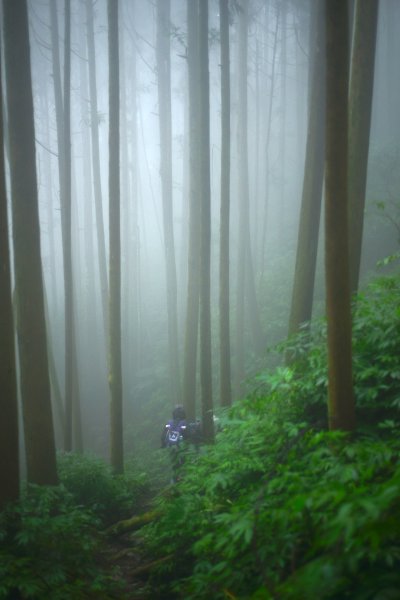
x=176, y=431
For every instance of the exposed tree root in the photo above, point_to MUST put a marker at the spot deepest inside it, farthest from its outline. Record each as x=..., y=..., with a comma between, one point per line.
x=133, y=523
x=151, y=565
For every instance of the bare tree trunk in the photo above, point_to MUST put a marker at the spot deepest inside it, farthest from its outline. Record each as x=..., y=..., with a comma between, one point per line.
x=9, y=448
x=164, y=110
x=282, y=137
x=35, y=384
x=66, y=221
x=307, y=243
x=205, y=241
x=94, y=129
x=115, y=369
x=267, y=144
x=224, y=305
x=245, y=279
x=341, y=405
x=193, y=285
x=360, y=108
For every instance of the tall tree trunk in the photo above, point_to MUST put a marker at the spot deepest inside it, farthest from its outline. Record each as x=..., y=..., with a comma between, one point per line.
x=115, y=369
x=193, y=289
x=205, y=241
x=360, y=108
x=66, y=221
x=245, y=279
x=130, y=204
x=341, y=405
x=225, y=346
x=307, y=242
x=94, y=130
x=35, y=384
x=9, y=448
x=268, y=140
x=282, y=137
x=90, y=325
x=164, y=111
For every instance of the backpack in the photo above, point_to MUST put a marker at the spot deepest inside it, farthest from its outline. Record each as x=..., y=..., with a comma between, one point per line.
x=175, y=433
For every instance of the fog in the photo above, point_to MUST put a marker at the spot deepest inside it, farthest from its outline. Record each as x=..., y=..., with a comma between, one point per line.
x=279, y=51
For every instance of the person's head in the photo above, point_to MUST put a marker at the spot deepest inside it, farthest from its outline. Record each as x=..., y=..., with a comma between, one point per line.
x=178, y=413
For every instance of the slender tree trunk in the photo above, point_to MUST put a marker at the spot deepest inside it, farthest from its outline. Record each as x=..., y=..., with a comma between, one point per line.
x=90, y=325
x=66, y=219
x=115, y=369
x=360, y=108
x=193, y=285
x=94, y=129
x=267, y=145
x=50, y=205
x=341, y=406
x=245, y=280
x=35, y=384
x=307, y=243
x=9, y=448
x=205, y=241
x=225, y=346
x=282, y=137
x=130, y=204
x=164, y=110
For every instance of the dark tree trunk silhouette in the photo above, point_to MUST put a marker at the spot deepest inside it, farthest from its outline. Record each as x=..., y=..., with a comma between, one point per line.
x=115, y=369
x=164, y=111
x=205, y=241
x=340, y=386
x=34, y=372
x=9, y=449
x=360, y=107
x=62, y=96
x=192, y=308
x=224, y=307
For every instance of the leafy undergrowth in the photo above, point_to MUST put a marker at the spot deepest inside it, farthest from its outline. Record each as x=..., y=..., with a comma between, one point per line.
x=277, y=509
x=280, y=508
x=51, y=541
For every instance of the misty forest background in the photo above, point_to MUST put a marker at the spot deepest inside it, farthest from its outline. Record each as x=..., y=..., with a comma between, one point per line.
x=164, y=170
x=200, y=206
x=272, y=49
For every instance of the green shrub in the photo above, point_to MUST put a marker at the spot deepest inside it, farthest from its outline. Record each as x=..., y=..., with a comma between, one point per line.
x=48, y=548
x=92, y=484
x=281, y=508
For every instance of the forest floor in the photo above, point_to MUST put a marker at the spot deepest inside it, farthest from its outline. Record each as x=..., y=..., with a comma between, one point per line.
x=123, y=552
x=125, y=557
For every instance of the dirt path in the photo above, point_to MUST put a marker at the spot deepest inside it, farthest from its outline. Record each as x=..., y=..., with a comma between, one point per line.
x=123, y=552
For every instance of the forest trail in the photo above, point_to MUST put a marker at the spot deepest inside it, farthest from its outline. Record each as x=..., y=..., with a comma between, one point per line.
x=123, y=549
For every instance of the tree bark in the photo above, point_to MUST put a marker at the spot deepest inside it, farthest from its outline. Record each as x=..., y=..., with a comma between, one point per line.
x=360, y=108
x=115, y=369
x=35, y=384
x=193, y=289
x=66, y=221
x=164, y=111
x=245, y=278
x=224, y=305
x=205, y=241
x=310, y=213
x=94, y=130
x=341, y=406
x=9, y=449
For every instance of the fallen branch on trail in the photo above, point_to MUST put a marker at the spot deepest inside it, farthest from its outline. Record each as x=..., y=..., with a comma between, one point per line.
x=149, y=566
x=133, y=523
